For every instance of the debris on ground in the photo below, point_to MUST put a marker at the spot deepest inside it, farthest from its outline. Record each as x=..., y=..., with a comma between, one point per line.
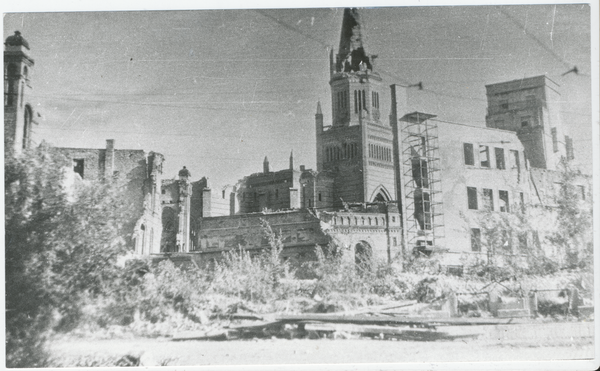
x=407, y=320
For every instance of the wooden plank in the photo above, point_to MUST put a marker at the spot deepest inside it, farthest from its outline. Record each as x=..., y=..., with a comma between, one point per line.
x=381, y=320
x=379, y=308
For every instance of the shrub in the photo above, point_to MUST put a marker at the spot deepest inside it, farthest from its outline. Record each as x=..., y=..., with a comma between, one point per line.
x=61, y=249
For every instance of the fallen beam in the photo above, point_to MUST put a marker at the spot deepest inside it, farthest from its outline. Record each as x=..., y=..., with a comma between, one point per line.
x=386, y=320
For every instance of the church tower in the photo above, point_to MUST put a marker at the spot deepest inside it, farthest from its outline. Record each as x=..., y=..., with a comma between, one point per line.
x=18, y=111
x=357, y=147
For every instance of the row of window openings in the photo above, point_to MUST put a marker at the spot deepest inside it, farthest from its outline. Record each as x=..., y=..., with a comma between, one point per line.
x=254, y=196
x=380, y=153
x=488, y=199
x=530, y=101
x=346, y=220
x=347, y=151
x=505, y=242
x=360, y=100
x=485, y=160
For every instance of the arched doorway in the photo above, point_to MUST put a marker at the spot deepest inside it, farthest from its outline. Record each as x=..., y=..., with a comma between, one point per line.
x=363, y=256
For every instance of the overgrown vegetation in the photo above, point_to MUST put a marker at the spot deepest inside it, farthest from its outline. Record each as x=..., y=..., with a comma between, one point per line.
x=61, y=250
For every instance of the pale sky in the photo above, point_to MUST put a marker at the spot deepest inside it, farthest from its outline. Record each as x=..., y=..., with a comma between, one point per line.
x=219, y=90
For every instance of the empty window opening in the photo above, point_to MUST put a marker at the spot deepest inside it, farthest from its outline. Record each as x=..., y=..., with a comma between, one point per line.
x=525, y=121
x=472, y=197
x=504, y=104
x=504, y=205
x=26, y=127
x=500, y=158
x=78, y=166
x=469, y=157
x=488, y=199
x=320, y=197
x=475, y=239
x=484, y=156
x=569, y=147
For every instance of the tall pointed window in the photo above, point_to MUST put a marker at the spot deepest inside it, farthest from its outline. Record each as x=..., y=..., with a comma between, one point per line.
x=26, y=127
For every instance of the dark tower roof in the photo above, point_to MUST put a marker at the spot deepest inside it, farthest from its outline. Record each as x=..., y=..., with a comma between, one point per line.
x=351, y=37
x=319, y=111
x=16, y=40
x=352, y=44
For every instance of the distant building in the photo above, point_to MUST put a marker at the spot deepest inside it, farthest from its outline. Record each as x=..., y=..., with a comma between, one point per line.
x=530, y=108
x=19, y=115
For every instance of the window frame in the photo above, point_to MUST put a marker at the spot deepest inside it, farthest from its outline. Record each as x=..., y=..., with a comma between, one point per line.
x=468, y=154
x=472, y=198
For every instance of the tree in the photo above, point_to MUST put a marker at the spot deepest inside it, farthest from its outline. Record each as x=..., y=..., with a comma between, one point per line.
x=62, y=244
x=573, y=233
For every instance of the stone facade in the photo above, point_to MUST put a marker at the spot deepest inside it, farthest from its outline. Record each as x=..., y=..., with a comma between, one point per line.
x=142, y=174
x=176, y=201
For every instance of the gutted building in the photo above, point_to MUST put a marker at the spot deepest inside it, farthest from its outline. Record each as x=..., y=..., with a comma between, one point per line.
x=141, y=173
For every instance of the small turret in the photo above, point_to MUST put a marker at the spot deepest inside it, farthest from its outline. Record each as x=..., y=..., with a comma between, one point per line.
x=292, y=160
x=184, y=174
x=266, y=165
x=16, y=40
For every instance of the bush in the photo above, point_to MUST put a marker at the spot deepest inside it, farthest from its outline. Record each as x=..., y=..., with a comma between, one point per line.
x=61, y=249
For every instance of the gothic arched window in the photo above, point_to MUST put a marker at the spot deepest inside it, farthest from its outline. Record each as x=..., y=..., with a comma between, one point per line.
x=26, y=127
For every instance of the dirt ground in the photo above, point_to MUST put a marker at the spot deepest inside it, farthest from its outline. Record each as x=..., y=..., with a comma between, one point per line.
x=543, y=342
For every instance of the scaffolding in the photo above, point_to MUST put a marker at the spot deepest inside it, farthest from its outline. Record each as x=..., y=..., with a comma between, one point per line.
x=422, y=183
